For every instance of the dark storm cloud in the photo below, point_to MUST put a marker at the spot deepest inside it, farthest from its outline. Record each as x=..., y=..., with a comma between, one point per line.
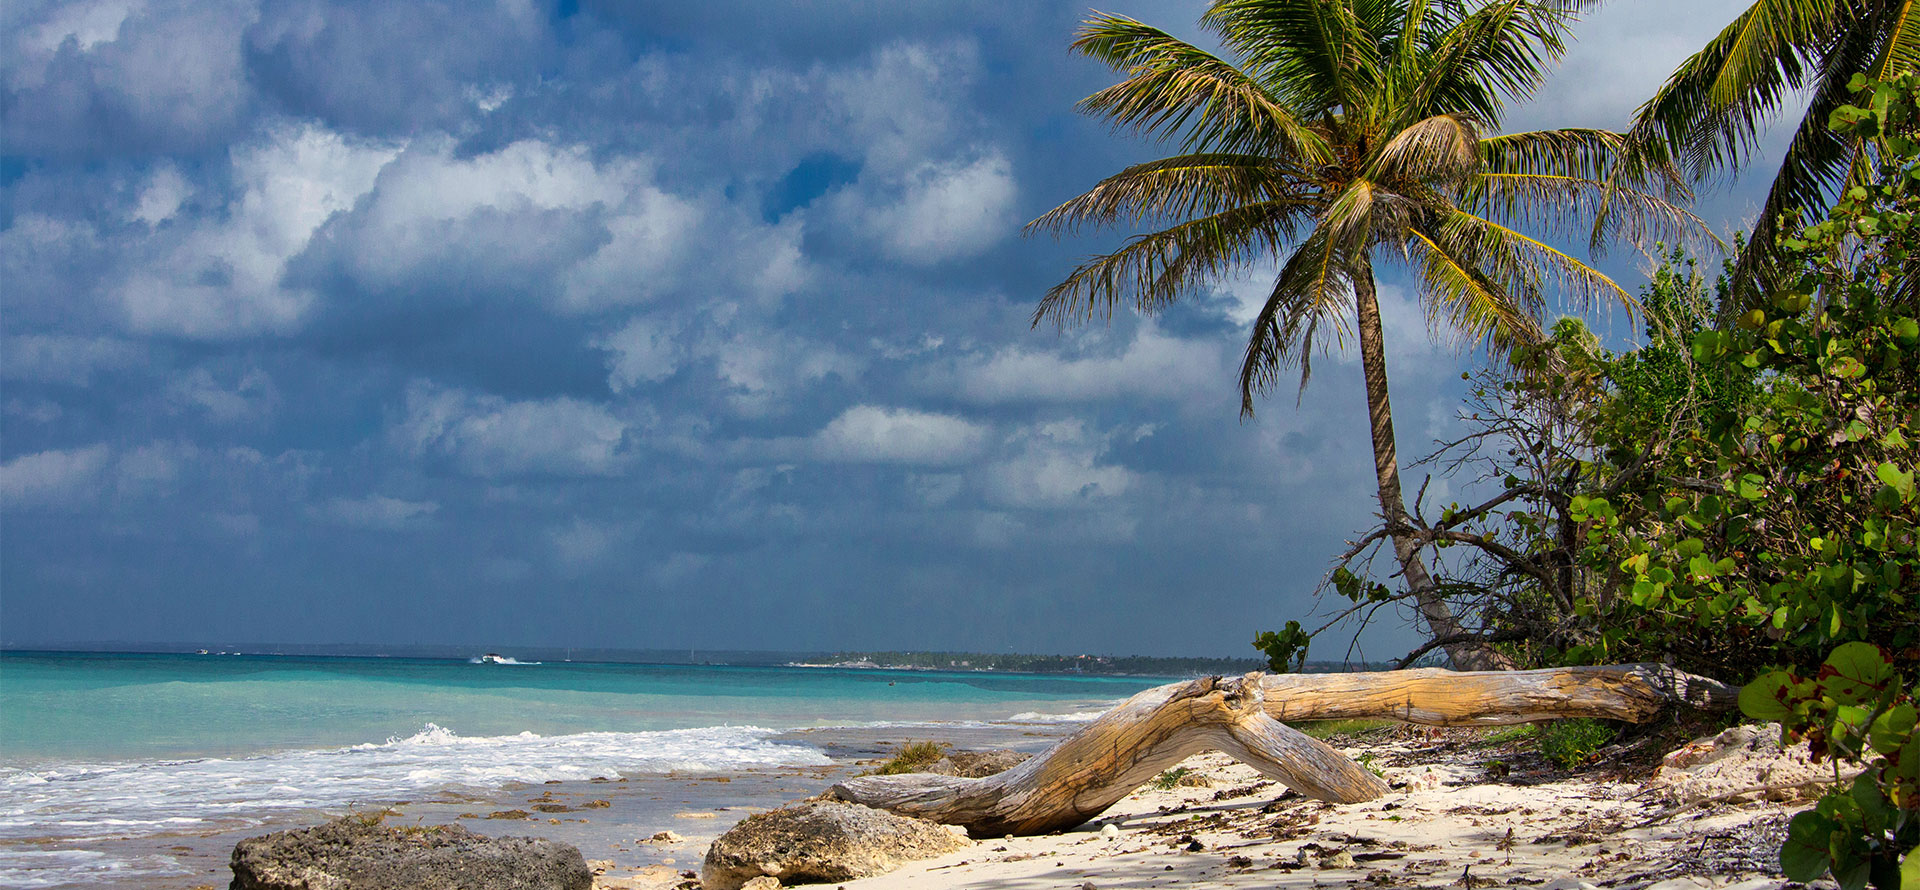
x=634, y=325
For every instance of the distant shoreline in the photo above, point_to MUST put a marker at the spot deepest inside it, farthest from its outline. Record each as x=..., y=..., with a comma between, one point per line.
x=935, y=661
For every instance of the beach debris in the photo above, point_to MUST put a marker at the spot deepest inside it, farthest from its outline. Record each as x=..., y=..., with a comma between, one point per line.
x=822, y=841
x=365, y=854
x=664, y=837
x=1109, y=831
x=763, y=882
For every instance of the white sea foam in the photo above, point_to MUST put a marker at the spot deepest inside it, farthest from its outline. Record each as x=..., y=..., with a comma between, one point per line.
x=29, y=869
x=96, y=800
x=1037, y=717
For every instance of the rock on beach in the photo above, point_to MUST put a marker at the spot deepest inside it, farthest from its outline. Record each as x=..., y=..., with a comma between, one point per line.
x=354, y=853
x=821, y=842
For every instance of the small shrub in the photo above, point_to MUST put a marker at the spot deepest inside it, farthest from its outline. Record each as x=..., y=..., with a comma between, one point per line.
x=1168, y=780
x=1507, y=734
x=1326, y=729
x=913, y=758
x=1570, y=743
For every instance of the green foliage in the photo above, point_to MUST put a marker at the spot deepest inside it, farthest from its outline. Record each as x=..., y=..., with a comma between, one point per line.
x=1286, y=649
x=1785, y=523
x=1168, y=780
x=1507, y=734
x=1856, y=708
x=912, y=758
x=1326, y=729
x=1571, y=743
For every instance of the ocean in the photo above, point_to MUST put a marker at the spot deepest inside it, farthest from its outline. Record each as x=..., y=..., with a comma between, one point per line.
x=135, y=770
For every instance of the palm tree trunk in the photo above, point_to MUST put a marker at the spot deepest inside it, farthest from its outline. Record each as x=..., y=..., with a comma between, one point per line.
x=1393, y=506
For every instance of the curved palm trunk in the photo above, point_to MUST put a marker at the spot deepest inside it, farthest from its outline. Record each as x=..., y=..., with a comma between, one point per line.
x=1393, y=506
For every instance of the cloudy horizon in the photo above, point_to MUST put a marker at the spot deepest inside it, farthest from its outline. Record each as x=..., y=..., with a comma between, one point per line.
x=608, y=325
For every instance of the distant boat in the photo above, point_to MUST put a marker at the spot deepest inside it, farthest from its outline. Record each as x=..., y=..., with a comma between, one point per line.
x=497, y=658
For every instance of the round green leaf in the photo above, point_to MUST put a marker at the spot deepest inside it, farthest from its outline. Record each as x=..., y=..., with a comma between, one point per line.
x=1765, y=697
x=1804, y=857
x=1891, y=729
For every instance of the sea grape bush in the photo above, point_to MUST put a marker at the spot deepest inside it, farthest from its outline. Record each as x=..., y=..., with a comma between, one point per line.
x=1786, y=524
x=1856, y=707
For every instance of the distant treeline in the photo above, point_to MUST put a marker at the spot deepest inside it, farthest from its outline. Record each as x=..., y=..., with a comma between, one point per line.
x=1147, y=665
x=1068, y=664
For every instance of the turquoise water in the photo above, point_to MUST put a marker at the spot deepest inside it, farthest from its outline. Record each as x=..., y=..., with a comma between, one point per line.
x=106, y=758
x=79, y=707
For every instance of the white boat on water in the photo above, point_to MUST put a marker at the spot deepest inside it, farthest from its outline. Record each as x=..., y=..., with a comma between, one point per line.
x=497, y=658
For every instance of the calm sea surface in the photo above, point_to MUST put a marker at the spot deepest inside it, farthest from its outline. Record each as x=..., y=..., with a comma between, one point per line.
x=98, y=751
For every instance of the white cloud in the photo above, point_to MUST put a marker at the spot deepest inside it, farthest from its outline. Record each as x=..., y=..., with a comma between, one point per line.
x=640, y=261
x=1056, y=465
x=947, y=211
x=485, y=435
x=646, y=350
x=64, y=359
x=378, y=512
x=762, y=367
x=1153, y=365
x=153, y=469
x=162, y=196
x=87, y=24
x=222, y=280
x=870, y=434
x=52, y=478
x=252, y=394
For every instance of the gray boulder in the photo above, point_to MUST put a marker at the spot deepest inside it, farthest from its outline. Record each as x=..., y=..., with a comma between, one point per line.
x=822, y=842
x=356, y=853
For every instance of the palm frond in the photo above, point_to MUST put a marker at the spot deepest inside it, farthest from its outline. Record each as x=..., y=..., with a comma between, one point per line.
x=1444, y=146
x=1815, y=165
x=1521, y=269
x=1567, y=207
x=1314, y=55
x=1153, y=269
x=1179, y=187
x=1902, y=51
x=1174, y=89
x=1709, y=113
x=1314, y=287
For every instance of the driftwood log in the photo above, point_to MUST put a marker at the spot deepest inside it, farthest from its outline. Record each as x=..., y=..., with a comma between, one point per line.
x=1094, y=768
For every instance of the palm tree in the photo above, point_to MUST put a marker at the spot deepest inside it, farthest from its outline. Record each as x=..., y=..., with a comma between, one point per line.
x=1709, y=115
x=1335, y=133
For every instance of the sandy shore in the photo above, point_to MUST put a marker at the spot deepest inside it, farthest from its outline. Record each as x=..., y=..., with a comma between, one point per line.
x=1464, y=814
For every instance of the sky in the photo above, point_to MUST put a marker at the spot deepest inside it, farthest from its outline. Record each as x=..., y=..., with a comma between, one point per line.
x=648, y=325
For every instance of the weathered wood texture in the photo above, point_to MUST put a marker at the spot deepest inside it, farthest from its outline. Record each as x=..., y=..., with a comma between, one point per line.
x=1091, y=770
x=1633, y=693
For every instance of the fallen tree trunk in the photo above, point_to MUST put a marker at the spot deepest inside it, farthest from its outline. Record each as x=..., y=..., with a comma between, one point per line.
x=1091, y=770
x=1094, y=768
x=1632, y=693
